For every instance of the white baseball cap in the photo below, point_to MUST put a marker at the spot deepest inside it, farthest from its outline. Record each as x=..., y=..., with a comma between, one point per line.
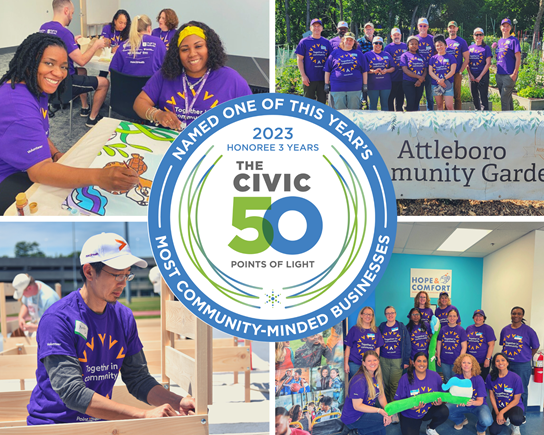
x=395, y=30
x=110, y=249
x=423, y=20
x=20, y=283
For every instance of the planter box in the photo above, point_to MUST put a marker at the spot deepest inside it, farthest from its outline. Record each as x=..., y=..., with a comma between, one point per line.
x=464, y=106
x=528, y=103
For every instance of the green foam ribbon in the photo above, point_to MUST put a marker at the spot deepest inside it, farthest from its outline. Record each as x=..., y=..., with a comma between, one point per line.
x=432, y=349
x=411, y=402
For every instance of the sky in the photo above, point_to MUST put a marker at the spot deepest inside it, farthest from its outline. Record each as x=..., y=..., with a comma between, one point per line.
x=56, y=238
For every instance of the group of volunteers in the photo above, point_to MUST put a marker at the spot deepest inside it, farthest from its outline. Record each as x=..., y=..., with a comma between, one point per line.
x=375, y=358
x=188, y=77
x=350, y=69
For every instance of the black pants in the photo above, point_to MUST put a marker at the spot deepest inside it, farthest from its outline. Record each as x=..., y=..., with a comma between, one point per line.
x=479, y=91
x=485, y=371
x=10, y=187
x=396, y=97
x=413, y=95
x=515, y=415
x=437, y=415
x=316, y=91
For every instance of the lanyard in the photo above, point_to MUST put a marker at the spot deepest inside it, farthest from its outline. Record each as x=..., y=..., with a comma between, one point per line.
x=189, y=107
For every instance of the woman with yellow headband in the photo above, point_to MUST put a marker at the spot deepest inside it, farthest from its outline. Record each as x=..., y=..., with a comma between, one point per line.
x=193, y=79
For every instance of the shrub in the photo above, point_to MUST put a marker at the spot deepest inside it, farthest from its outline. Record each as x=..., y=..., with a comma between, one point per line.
x=289, y=81
x=532, y=92
x=492, y=80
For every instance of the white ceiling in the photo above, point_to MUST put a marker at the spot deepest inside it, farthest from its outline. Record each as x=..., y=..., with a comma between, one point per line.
x=424, y=238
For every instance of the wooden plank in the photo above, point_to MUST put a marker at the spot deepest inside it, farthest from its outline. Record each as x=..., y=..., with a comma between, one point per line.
x=153, y=358
x=12, y=307
x=13, y=405
x=167, y=338
x=18, y=367
x=12, y=423
x=217, y=342
x=154, y=323
x=210, y=365
x=202, y=362
x=180, y=320
x=247, y=385
x=226, y=359
x=14, y=341
x=180, y=369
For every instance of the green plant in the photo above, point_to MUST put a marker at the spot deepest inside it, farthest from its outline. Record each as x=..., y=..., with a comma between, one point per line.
x=529, y=74
x=532, y=92
x=492, y=80
x=466, y=96
x=288, y=80
x=518, y=106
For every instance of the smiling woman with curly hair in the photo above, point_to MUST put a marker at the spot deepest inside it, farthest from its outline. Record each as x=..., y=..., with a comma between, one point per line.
x=193, y=79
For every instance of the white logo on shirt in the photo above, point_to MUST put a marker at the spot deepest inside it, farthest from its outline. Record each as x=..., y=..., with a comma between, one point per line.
x=81, y=329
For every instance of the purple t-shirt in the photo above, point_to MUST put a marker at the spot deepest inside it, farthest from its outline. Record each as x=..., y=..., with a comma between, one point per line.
x=478, y=57
x=431, y=383
x=99, y=341
x=396, y=51
x=346, y=68
x=145, y=62
x=441, y=66
x=517, y=343
x=442, y=314
x=506, y=55
x=426, y=47
x=315, y=52
x=477, y=339
x=420, y=340
x=416, y=64
x=505, y=389
x=478, y=388
x=361, y=340
x=391, y=348
x=457, y=47
x=222, y=85
x=358, y=389
x=114, y=35
x=164, y=35
x=382, y=61
x=451, y=339
x=24, y=129
x=335, y=42
x=57, y=29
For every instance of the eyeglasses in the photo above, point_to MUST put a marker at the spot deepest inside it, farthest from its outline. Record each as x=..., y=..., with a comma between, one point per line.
x=391, y=313
x=422, y=25
x=121, y=276
x=478, y=34
x=367, y=314
x=378, y=43
x=416, y=314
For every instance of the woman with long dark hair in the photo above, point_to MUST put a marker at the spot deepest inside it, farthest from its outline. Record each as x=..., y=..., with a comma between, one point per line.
x=442, y=68
x=118, y=30
x=380, y=69
x=478, y=70
x=420, y=334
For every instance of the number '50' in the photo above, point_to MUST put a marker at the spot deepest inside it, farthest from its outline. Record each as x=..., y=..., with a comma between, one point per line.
x=267, y=226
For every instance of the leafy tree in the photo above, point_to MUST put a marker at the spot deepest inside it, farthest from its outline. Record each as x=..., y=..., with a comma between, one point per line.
x=28, y=249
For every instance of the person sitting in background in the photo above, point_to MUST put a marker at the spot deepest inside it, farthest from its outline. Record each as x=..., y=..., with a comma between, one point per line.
x=117, y=31
x=143, y=54
x=282, y=424
x=168, y=23
x=327, y=409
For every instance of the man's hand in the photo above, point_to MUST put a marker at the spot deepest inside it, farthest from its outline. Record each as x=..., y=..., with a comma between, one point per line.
x=22, y=324
x=100, y=43
x=161, y=411
x=187, y=406
x=305, y=80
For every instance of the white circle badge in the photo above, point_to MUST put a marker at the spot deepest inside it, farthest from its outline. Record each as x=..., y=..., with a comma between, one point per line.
x=272, y=217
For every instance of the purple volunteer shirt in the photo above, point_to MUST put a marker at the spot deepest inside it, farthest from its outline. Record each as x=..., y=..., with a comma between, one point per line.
x=315, y=52
x=416, y=64
x=358, y=389
x=346, y=68
x=391, y=348
x=99, y=341
x=114, y=35
x=457, y=47
x=426, y=47
x=517, y=343
x=505, y=389
x=396, y=51
x=335, y=42
x=506, y=55
x=478, y=57
x=451, y=339
x=431, y=383
x=145, y=62
x=57, y=29
x=164, y=35
x=24, y=129
x=441, y=66
x=478, y=388
x=222, y=85
x=361, y=340
x=477, y=339
x=420, y=340
x=442, y=314
x=382, y=61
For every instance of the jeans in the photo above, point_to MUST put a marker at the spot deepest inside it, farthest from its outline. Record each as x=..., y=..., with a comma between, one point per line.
x=353, y=367
x=479, y=91
x=447, y=371
x=368, y=424
x=345, y=100
x=457, y=415
x=396, y=97
x=524, y=371
x=429, y=92
x=382, y=94
x=413, y=95
x=391, y=373
x=506, y=87
x=316, y=91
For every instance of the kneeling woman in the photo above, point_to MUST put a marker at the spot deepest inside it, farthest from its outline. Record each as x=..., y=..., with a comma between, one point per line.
x=193, y=79
x=27, y=155
x=365, y=388
x=419, y=380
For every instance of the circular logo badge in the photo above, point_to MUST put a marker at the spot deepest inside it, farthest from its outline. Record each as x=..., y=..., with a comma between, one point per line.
x=272, y=217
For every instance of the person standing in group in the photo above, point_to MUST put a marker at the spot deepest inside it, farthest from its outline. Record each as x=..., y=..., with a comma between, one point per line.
x=361, y=337
x=519, y=344
x=442, y=68
x=426, y=50
x=444, y=307
x=420, y=334
x=457, y=47
x=365, y=389
x=414, y=73
x=365, y=41
x=419, y=380
x=117, y=31
x=396, y=49
x=508, y=62
x=505, y=390
x=168, y=23
x=422, y=301
x=466, y=367
x=341, y=30
x=478, y=70
x=452, y=342
x=481, y=341
x=380, y=67
x=312, y=53
x=346, y=72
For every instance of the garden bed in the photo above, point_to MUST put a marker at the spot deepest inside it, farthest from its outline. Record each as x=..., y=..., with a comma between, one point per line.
x=528, y=103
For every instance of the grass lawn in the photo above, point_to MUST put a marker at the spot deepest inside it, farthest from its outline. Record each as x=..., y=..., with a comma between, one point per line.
x=144, y=304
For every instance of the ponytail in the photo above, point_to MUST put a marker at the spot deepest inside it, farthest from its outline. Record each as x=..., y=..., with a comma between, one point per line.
x=139, y=25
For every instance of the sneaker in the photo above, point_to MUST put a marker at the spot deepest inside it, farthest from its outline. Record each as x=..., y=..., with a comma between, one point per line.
x=507, y=422
x=524, y=420
x=431, y=431
x=460, y=426
x=515, y=430
x=92, y=122
x=395, y=419
x=85, y=111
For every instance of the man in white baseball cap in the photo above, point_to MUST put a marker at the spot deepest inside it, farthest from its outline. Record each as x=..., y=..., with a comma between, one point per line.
x=36, y=297
x=341, y=29
x=87, y=339
x=426, y=51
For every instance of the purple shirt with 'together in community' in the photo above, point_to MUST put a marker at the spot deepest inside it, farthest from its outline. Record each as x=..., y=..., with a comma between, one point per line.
x=315, y=53
x=451, y=340
x=478, y=55
x=416, y=64
x=164, y=35
x=426, y=47
x=506, y=55
x=144, y=62
x=361, y=340
x=441, y=66
x=477, y=339
x=346, y=69
x=379, y=61
x=517, y=343
x=505, y=389
x=358, y=389
x=391, y=348
x=456, y=47
x=57, y=29
x=431, y=383
x=396, y=51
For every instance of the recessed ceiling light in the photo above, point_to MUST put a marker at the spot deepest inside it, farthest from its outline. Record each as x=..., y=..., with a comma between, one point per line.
x=462, y=239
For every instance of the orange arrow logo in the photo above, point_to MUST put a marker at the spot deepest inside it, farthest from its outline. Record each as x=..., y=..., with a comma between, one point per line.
x=122, y=243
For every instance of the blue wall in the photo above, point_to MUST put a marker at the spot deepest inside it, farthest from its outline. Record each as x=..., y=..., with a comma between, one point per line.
x=394, y=288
